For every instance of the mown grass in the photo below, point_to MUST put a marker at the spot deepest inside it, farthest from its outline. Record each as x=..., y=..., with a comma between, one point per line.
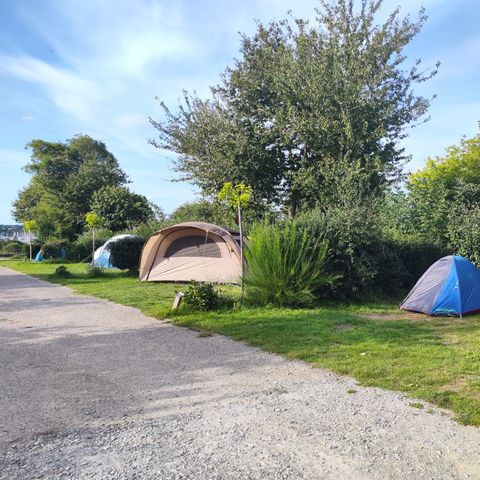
x=434, y=359
x=152, y=298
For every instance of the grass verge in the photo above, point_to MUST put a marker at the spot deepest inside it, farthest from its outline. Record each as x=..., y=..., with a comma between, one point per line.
x=434, y=359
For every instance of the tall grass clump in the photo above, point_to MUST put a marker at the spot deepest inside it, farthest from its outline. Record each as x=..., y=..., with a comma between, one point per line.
x=285, y=266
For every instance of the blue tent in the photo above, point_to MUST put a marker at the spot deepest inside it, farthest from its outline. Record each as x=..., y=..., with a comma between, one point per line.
x=451, y=286
x=101, y=257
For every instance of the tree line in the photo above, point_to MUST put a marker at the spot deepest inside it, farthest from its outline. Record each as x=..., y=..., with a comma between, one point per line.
x=71, y=178
x=311, y=116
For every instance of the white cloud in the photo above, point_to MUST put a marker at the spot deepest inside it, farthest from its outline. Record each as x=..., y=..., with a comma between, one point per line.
x=108, y=62
x=28, y=118
x=71, y=93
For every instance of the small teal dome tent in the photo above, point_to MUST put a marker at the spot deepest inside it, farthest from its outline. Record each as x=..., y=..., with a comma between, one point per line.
x=451, y=286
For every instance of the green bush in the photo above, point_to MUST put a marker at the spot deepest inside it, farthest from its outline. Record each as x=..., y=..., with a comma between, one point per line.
x=95, y=272
x=464, y=232
x=11, y=247
x=353, y=237
x=51, y=250
x=202, y=296
x=36, y=245
x=62, y=271
x=81, y=249
x=285, y=266
x=365, y=260
x=417, y=256
x=146, y=229
x=125, y=253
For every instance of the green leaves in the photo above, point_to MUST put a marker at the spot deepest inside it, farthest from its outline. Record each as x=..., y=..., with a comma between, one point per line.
x=30, y=225
x=93, y=220
x=120, y=208
x=65, y=176
x=304, y=106
x=444, y=199
x=285, y=265
x=235, y=196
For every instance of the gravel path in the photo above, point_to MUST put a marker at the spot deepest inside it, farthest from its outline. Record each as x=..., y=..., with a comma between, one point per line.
x=91, y=389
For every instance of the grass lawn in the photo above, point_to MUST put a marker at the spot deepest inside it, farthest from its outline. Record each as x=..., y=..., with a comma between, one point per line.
x=152, y=298
x=435, y=359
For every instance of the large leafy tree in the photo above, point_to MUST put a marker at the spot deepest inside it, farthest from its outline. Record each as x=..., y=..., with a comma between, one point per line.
x=64, y=178
x=308, y=113
x=120, y=208
x=445, y=194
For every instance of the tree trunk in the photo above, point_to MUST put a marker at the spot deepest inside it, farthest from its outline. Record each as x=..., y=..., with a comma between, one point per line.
x=292, y=208
x=30, y=243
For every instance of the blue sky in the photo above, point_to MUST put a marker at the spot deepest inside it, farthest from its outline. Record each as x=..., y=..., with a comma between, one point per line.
x=95, y=67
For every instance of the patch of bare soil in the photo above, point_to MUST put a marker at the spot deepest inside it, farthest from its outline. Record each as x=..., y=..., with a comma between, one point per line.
x=462, y=384
x=344, y=326
x=389, y=317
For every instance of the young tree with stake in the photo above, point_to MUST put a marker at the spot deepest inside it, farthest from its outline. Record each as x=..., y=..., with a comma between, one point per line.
x=237, y=196
x=30, y=226
x=93, y=221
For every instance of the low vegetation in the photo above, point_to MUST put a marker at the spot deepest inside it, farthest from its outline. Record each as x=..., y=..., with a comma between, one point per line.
x=433, y=359
x=285, y=265
x=125, y=253
x=152, y=298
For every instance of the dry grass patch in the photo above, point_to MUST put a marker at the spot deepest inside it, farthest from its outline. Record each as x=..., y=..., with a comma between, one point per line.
x=344, y=326
x=392, y=317
x=468, y=385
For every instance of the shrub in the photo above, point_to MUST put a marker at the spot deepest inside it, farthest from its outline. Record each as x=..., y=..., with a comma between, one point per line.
x=363, y=257
x=464, y=232
x=11, y=247
x=353, y=238
x=81, y=249
x=95, y=271
x=52, y=249
x=146, y=229
x=202, y=296
x=125, y=253
x=36, y=245
x=416, y=256
x=62, y=271
x=285, y=265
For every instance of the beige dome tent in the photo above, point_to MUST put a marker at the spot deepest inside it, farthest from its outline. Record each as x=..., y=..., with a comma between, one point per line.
x=191, y=251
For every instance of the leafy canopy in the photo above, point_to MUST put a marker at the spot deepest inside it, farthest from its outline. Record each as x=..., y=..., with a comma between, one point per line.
x=120, y=208
x=304, y=106
x=64, y=178
x=30, y=225
x=235, y=195
x=444, y=193
x=93, y=220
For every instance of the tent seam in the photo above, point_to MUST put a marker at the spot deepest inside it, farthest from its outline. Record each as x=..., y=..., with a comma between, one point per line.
x=440, y=290
x=459, y=291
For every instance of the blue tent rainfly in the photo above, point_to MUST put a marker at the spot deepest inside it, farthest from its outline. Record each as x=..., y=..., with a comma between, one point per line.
x=451, y=286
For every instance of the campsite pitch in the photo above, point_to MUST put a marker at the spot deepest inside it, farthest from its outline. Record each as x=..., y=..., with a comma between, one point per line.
x=92, y=389
x=431, y=358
